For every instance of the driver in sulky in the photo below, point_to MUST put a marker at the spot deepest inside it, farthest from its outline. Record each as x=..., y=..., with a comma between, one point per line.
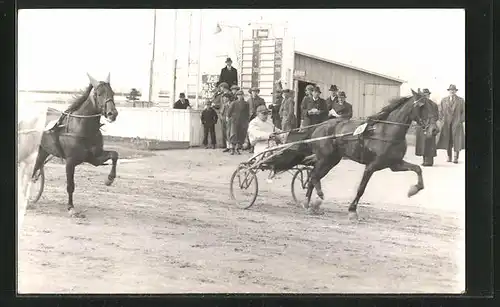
x=260, y=130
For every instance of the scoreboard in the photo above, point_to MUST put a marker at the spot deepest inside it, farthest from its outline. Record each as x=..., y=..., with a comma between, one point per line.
x=262, y=61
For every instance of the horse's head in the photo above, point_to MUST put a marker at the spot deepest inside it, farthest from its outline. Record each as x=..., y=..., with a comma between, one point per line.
x=425, y=113
x=104, y=98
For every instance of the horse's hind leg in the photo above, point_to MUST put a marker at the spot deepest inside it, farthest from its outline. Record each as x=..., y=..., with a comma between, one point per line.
x=101, y=159
x=404, y=166
x=40, y=160
x=320, y=170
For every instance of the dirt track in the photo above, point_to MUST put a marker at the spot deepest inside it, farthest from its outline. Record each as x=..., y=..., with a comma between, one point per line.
x=167, y=225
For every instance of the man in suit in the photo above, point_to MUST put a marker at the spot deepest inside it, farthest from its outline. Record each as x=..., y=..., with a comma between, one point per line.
x=333, y=98
x=287, y=113
x=316, y=111
x=228, y=74
x=424, y=146
x=182, y=103
x=452, y=117
x=254, y=101
x=340, y=108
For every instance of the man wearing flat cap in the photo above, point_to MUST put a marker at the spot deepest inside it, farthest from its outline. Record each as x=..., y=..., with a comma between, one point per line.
x=275, y=108
x=340, y=108
x=425, y=146
x=228, y=74
x=260, y=130
x=287, y=113
x=333, y=98
x=225, y=123
x=316, y=111
x=234, y=89
x=305, y=102
x=238, y=114
x=254, y=101
x=452, y=117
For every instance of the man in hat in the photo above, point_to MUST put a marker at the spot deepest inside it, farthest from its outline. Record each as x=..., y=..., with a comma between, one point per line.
x=217, y=100
x=316, y=111
x=340, y=108
x=224, y=121
x=254, y=101
x=182, y=103
x=452, y=117
x=425, y=147
x=238, y=113
x=228, y=74
x=305, y=102
x=260, y=130
x=333, y=98
x=275, y=108
x=208, y=119
x=234, y=89
x=287, y=113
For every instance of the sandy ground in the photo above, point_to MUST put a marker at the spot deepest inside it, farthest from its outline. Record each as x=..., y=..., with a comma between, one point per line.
x=167, y=225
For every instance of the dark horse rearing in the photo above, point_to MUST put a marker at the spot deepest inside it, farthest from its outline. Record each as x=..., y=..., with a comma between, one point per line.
x=78, y=135
x=382, y=144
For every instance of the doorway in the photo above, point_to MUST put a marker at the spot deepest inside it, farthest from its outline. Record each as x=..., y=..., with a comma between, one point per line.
x=301, y=93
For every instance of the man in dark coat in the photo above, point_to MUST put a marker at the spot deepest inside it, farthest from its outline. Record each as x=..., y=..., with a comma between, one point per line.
x=287, y=111
x=239, y=114
x=182, y=103
x=228, y=74
x=254, y=101
x=452, y=117
x=316, y=111
x=305, y=102
x=334, y=90
x=340, y=108
x=209, y=119
x=275, y=108
x=425, y=146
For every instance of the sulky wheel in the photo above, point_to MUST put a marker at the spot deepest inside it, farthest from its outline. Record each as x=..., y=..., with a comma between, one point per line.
x=244, y=187
x=299, y=184
x=37, y=185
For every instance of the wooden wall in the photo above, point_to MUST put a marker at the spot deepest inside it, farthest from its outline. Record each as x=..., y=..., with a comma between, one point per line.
x=356, y=84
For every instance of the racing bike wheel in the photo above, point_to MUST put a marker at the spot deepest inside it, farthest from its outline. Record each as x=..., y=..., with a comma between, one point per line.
x=244, y=181
x=36, y=186
x=299, y=184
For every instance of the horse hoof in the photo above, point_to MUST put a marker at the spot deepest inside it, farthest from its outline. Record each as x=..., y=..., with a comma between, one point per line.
x=353, y=216
x=413, y=190
x=321, y=195
x=305, y=204
x=75, y=214
x=108, y=182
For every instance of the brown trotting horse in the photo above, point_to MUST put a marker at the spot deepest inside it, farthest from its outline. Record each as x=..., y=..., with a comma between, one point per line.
x=77, y=137
x=381, y=145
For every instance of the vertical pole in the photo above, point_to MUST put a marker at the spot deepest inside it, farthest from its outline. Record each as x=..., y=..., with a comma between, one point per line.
x=174, y=60
x=199, y=58
x=188, y=82
x=151, y=69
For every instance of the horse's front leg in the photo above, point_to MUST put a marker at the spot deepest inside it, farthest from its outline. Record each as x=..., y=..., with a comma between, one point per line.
x=70, y=188
x=404, y=166
x=367, y=174
x=101, y=159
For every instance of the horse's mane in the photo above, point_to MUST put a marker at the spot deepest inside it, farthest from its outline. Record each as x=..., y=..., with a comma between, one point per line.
x=79, y=98
x=386, y=110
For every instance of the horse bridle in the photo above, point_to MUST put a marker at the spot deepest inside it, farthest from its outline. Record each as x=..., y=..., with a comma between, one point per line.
x=94, y=99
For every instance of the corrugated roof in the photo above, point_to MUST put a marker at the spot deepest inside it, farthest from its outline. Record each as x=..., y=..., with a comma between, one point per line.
x=349, y=66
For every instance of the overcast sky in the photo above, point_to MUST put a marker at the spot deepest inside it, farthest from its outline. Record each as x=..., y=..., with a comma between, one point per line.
x=57, y=47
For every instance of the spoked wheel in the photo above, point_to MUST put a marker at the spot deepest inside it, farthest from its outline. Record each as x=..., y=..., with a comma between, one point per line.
x=37, y=185
x=244, y=187
x=299, y=184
